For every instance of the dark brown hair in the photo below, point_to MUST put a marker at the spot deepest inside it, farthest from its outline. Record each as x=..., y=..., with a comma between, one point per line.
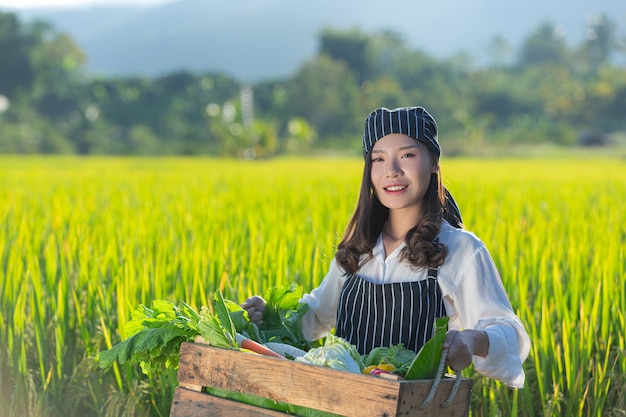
x=422, y=247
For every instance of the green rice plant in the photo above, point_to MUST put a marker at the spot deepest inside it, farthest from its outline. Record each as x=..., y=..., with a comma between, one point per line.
x=84, y=241
x=557, y=234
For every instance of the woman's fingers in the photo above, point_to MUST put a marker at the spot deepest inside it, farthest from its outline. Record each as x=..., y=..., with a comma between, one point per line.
x=459, y=350
x=255, y=306
x=255, y=301
x=256, y=317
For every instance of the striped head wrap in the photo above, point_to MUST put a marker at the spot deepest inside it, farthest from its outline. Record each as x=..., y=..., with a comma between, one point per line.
x=414, y=122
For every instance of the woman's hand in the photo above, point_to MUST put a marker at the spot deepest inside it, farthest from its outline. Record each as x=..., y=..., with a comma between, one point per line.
x=463, y=345
x=255, y=306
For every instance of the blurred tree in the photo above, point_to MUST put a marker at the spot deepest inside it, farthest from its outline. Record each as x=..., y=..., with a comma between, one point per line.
x=266, y=141
x=40, y=63
x=58, y=65
x=325, y=92
x=383, y=91
x=604, y=107
x=16, y=42
x=350, y=47
x=545, y=46
x=495, y=96
x=172, y=106
x=600, y=43
x=127, y=101
x=301, y=135
x=500, y=52
x=270, y=100
x=384, y=48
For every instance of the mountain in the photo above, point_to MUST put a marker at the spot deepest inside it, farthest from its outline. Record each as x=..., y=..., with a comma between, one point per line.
x=254, y=40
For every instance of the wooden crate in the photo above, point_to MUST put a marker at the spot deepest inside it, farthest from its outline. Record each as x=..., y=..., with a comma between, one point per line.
x=343, y=393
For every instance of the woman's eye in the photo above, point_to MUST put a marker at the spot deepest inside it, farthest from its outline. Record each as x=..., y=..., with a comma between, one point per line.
x=377, y=159
x=408, y=155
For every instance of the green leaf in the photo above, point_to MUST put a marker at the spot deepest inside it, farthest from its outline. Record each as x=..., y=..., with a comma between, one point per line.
x=426, y=363
x=238, y=315
x=212, y=331
x=152, y=345
x=282, y=318
x=156, y=334
x=223, y=315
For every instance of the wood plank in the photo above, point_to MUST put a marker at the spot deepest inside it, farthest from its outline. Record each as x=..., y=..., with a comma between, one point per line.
x=412, y=396
x=325, y=389
x=188, y=403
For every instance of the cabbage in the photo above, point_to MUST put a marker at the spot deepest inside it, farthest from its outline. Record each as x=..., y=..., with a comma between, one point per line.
x=335, y=353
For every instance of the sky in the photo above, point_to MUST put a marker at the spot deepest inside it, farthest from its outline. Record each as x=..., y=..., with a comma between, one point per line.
x=26, y=4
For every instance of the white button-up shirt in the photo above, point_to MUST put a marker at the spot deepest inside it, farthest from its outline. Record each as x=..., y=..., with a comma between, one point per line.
x=472, y=292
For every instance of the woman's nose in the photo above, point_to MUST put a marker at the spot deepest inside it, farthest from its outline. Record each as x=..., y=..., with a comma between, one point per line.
x=393, y=169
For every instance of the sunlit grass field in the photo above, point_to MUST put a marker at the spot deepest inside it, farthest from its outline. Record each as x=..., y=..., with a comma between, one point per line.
x=83, y=242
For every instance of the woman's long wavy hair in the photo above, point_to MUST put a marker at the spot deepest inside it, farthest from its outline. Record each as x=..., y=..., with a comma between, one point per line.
x=423, y=248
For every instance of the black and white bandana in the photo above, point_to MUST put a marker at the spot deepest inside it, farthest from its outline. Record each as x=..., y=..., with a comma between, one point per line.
x=414, y=122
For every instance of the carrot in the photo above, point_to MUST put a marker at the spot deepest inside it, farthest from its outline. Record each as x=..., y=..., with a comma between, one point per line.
x=259, y=348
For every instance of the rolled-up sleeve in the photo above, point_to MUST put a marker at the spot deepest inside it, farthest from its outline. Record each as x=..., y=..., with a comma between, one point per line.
x=322, y=302
x=479, y=301
x=504, y=360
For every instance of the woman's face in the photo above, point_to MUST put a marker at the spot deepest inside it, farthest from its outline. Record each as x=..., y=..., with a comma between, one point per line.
x=401, y=171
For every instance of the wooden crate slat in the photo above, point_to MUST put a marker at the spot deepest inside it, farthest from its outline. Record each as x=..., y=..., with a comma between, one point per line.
x=188, y=403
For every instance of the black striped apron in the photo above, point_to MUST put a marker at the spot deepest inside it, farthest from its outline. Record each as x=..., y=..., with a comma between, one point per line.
x=370, y=315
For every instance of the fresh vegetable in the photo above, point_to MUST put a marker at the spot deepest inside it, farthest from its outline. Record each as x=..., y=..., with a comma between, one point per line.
x=256, y=347
x=335, y=353
x=395, y=355
x=379, y=371
x=373, y=369
x=282, y=317
x=156, y=334
x=426, y=362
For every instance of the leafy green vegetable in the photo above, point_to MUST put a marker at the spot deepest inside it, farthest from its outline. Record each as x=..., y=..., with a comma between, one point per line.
x=396, y=355
x=282, y=318
x=336, y=353
x=155, y=337
x=156, y=333
x=426, y=362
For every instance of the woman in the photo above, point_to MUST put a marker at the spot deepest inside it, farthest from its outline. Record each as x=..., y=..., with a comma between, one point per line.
x=405, y=260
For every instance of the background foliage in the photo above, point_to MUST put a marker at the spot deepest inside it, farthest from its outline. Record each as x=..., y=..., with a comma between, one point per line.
x=544, y=92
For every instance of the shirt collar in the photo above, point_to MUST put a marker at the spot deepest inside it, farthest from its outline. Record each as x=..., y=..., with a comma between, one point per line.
x=379, y=250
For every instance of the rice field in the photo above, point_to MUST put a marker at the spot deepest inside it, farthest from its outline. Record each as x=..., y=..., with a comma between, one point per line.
x=83, y=242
